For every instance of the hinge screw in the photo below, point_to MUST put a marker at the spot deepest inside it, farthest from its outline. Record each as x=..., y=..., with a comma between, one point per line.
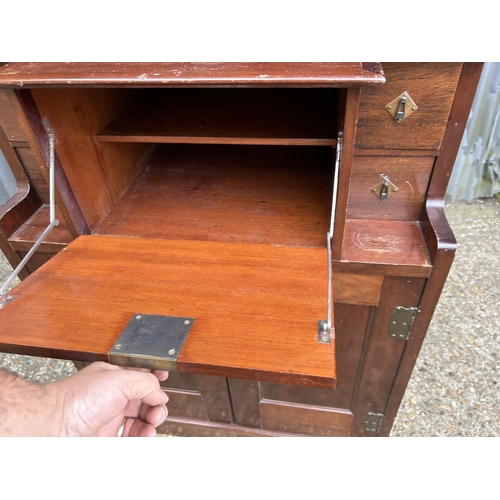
x=187, y=322
x=171, y=352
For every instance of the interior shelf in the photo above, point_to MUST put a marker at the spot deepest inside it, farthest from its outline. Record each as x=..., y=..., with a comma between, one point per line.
x=229, y=116
x=270, y=195
x=31, y=230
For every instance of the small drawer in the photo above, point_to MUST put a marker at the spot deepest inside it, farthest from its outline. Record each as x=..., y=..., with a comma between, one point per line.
x=432, y=88
x=409, y=174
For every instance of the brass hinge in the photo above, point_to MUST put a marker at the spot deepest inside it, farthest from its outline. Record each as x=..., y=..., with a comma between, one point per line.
x=373, y=421
x=401, y=322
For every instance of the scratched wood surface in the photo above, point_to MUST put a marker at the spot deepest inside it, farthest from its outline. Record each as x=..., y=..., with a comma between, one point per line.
x=410, y=175
x=273, y=195
x=207, y=74
x=395, y=248
x=256, y=306
x=228, y=116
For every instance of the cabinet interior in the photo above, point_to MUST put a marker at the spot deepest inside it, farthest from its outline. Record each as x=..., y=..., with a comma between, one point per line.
x=227, y=226
x=247, y=165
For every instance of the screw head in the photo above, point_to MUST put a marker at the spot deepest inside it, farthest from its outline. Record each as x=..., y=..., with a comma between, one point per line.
x=171, y=352
x=389, y=107
x=186, y=322
x=118, y=347
x=138, y=316
x=414, y=108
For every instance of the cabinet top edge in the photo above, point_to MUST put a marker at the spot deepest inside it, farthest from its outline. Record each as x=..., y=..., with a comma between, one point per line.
x=26, y=74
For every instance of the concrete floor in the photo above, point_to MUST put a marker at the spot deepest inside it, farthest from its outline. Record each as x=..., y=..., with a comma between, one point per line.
x=454, y=387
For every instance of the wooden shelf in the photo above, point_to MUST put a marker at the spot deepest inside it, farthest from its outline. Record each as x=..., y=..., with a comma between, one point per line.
x=100, y=74
x=271, y=195
x=393, y=248
x=256, y=306
x=60, y=236
x=229, y=116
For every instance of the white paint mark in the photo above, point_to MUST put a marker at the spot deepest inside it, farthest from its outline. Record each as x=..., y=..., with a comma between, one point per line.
x=143, y=76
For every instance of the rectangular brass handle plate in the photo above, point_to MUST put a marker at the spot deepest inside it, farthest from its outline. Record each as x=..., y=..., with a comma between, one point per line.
x=151, y=341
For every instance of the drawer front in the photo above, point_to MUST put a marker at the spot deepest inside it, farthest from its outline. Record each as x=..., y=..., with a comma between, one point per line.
x=409, y=174
x=432, y=88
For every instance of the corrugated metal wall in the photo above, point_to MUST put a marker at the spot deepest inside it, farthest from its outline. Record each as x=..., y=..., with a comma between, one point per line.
x=476, y=173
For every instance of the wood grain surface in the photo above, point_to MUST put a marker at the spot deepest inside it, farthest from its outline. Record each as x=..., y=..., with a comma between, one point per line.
x=34, y=173
x=256, y=306
x=351, y=324
x=305, y=419
x=439, y=236
x=432, y=88
x=175, y=426
x=206, y=74
x=383, y=353
x=385, y=244
x=24, y=238
x=409, y=174
x=245, y=398
x=8, y=120
x=228, y=116
x=273, y=195
x=358, y=289
x=348, y=128
x=98, y=173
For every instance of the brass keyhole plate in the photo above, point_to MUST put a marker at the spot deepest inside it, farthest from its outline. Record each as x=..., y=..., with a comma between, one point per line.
x=409, y=107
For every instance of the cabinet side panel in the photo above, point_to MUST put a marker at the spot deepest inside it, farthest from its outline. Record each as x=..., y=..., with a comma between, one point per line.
x=98, y=174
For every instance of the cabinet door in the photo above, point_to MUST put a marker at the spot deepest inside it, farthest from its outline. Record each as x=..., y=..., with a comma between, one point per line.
x=308, y=410
x=198, y=397
x=250, y=311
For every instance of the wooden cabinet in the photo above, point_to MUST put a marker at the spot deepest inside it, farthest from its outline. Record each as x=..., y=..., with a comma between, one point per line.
x=241, y=200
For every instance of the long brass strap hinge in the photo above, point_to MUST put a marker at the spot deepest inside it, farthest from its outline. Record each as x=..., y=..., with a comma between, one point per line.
x=401, y=322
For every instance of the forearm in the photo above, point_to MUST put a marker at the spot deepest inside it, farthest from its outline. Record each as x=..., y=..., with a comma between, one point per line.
x=26, y=408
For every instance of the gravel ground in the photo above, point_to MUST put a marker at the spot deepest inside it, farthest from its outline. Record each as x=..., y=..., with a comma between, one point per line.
x=454, y=387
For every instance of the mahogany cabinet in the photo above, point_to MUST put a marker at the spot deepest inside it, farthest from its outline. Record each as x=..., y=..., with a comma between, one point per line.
x=272, y=233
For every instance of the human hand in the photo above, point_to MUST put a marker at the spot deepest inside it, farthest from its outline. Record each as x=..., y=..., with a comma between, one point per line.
x=94, y=402
x=101, y=397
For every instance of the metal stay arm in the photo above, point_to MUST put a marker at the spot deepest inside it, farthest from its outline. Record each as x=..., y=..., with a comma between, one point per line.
x=325, y=327
x=52, y=222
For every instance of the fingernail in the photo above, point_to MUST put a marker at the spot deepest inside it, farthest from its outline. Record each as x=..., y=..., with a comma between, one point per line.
x=162, y=417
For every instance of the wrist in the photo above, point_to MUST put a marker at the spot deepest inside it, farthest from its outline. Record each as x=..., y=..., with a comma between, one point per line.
x=27, y=408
